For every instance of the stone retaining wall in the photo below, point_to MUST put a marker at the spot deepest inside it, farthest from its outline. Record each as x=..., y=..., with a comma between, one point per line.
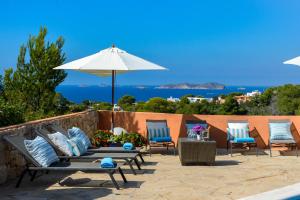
x=12, y=163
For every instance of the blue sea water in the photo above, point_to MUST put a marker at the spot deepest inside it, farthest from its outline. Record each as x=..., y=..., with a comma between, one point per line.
x=98, y=93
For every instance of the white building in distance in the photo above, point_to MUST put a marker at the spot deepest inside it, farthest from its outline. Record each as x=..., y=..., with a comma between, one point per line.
x=199, y=99
x=253, y=93
x=171, y=99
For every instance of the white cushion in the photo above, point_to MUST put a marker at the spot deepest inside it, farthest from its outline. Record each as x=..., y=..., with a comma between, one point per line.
x=61, y=141
x=119, y=131
x=238, y=125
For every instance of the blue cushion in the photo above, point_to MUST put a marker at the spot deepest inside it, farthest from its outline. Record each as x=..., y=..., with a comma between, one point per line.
x=128, y=146
x=233, y=133
x=41, y=151
x=280, y=131
x=158, y=132
x=161, y=139
x=108, y=163
x=77, y=132
x=244, y=140
x=78, y=147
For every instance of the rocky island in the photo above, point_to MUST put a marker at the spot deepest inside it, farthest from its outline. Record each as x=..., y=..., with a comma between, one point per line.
x=203, y=86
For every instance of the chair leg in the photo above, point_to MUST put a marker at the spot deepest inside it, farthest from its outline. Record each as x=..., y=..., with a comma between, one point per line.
x=21, y=177
x=141, y=157
x=137, y=163
x=130, y=165
x=227, y=146
x=174, y=149
x=230, y=149
x=114, y=181
x=33, y=176
x=270, y=146
x=122, y=174
x=150, y=151
x=256, y=148
x=296, y=150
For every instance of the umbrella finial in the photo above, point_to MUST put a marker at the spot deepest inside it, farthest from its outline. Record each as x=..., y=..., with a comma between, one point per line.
x=113, y=46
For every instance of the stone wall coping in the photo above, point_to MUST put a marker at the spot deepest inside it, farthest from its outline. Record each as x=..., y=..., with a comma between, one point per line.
x=29, y=123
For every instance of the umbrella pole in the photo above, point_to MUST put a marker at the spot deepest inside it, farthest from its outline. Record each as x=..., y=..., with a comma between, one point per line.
x=112, y=97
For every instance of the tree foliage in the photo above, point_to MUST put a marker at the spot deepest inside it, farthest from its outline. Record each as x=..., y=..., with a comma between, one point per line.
x=33, y=83
x=127, y=102
x=160, y=105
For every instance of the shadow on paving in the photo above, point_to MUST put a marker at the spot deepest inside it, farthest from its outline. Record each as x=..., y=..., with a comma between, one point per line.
x=142, y=171
x=62, y=186
x=87, y=182
x=62, y=193
x=149, y=163
x=226, y=162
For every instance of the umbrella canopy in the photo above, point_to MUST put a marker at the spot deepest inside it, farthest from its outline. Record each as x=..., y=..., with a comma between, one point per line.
x=294, y=61
x=109, y=62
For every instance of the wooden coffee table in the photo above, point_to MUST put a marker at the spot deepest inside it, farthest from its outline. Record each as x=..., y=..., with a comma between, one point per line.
x=193, y=151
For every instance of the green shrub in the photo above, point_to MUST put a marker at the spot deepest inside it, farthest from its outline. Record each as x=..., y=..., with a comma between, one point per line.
x=77, y=107
x=102, y=106
x=10, y=114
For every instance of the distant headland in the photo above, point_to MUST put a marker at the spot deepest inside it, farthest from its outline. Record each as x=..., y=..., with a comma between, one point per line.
x=202, y=86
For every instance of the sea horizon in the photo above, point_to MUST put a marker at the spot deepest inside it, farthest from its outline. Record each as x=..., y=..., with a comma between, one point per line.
x=102, y=93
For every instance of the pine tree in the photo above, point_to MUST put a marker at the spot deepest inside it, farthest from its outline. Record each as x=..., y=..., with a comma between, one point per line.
x=33, y=82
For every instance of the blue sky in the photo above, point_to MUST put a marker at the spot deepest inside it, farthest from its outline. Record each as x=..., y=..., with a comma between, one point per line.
x=236, y=42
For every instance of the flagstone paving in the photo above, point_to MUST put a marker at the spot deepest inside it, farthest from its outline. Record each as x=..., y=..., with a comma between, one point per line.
x=163, y=177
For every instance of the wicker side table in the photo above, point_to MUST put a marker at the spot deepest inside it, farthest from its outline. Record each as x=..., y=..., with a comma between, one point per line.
x=192, y=151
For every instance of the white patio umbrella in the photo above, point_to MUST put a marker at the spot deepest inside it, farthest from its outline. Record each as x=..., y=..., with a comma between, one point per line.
x=110, y=62
x=294, y=61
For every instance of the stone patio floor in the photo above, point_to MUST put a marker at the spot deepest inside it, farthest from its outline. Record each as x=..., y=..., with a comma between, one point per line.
x=163, y=177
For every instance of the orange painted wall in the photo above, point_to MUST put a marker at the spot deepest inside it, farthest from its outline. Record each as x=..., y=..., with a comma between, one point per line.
x=136, y=122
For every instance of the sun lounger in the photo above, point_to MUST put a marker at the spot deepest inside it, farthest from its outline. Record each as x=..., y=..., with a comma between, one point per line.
x=32, y=166
x=137, y=150
x=280, y=134
x=128, y=157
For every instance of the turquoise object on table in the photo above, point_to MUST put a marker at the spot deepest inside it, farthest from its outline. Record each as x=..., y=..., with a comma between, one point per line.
x=128, y=146
x=108, y=163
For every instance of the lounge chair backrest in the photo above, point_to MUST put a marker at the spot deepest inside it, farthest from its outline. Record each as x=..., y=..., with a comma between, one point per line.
x=190, y=124
x=157, y=129
x=237, y=129
x=57, y=128
x=280, y=130
x=44, y=134
x=18, y=143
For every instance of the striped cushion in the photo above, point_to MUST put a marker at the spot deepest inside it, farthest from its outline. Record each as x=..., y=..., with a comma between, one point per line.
x=41, y=151
x=238, y=125
x=280, y=131
x=233, y=133
x=158, y=132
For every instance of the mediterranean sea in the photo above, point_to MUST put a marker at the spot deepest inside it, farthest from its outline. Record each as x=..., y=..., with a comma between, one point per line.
x=77, y=94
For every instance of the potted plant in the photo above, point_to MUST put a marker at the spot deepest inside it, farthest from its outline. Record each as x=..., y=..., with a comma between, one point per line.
x=101, y=138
